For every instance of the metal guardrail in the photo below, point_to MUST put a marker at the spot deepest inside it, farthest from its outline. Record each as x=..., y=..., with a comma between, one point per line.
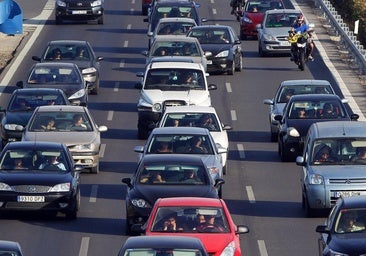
x=347, y=38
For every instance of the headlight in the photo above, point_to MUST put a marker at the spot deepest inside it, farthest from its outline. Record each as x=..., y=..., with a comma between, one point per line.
x=157, y=107
x=247, y=20
x=269, y=37
x=229, y=249
x=60, y=3
x=334, y=253
x=223, y=54
x=293, y=132
x=316, y=179
x=141, y=203
x=5, y=187
x=83, y=147
x=63, y=187
x=96, y=3
x=77, y=94
x=10, y=127
x=88, y=70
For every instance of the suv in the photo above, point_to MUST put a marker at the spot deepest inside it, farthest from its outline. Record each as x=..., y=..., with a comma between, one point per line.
x=331, y=164
x=169, y=84
x=79, y=10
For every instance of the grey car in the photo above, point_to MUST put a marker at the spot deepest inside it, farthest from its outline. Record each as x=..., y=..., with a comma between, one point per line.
x=73, y=126
x=332, y=164
x=273, y=31
x=288, y=88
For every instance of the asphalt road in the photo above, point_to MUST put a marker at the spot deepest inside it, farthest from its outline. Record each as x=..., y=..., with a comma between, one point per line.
x=261, y=192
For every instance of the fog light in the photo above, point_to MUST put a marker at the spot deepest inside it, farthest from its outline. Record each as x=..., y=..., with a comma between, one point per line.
x=88, y=161
x=1, y=204
x=223, y=65
x=63, y=205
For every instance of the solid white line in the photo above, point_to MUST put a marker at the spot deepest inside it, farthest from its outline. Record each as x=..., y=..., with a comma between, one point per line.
x=233, y=115
x=129, y=26
x=93, y=194
x=116, y=87
x=122, y=62
x=240, y=148
x=84, y=246
x=262, y=248
x=110, y=115
x=228, y=87
x=125, y=44
x=212, y=1
x=250, y=194
x=102, y=150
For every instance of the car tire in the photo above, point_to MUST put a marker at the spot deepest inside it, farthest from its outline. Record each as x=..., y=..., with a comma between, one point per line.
x=144, y=10
x=274, y=137
x=95, y=90
x=142, y=133
x=260, y=51
x=101, y=20
x=242, y=36
x=95, y=169
x=73, y=213
x=58, y=20
x=309, y=212
x=224, y=169
x=220, y=192
x=232, y=69
x=240, y=66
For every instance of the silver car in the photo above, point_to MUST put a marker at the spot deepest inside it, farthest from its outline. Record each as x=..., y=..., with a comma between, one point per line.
x=71, y=125
x=273, y=31
x=333, y=164
x=289, y=88
x=186, y=140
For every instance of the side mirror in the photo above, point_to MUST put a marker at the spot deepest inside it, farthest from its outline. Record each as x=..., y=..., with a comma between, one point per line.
x=140, y=74
x=268, y=102
x=146, y=19
x=300, y=161
x=100, y=58
x=212, y=87
x=237, y=42
x=208, y=54
x=354, y=117
x=278, y=117
x=36, y=58
x=127, y=181
x=226, y=127
x=241, y=229
x=102, y=128
x=139, y=149
x=138, y=85
x=145, y=53
x=219, y=182
x=322, y=229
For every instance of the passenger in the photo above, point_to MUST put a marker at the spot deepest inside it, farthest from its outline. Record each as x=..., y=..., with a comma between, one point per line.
x=301, y=113
x=328, y=111
x=196, y=146
x=80, y=53
x=18, y=164
x=164, y=148
x=171, y=225
x=360, y=158
x=190, y=177
x=50, y=124
x=52, y=164
x=287, y=94
x=57, y=54
x=206, y=122
x=209, y=225
x=78, y=123
x=324, y=155
x=152, y=177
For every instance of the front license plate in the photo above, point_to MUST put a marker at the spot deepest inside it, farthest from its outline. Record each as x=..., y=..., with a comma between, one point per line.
x=79, y=12
x=348, y=193
x=209, y=62
x=285, y=43
x=35, y=199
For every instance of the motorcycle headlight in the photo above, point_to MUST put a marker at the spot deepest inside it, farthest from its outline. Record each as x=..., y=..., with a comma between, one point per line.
x=291, y=131
x=96, y=3
x=77, y=94
x=316, y=179
x=10, y=127
x=157, y=107
x=5, y=187
x=89, y=70
x=60, y=3
x=229, y=250
x=141, y=203
x=223, y=54
x=63, y=187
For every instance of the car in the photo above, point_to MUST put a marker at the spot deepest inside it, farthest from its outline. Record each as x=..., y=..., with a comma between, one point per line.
x=273, y=31
x=344, y=229
x=200, y=116
x=10, y=248
x=219, y=234
x=163, y=246
x=177, y=47
x=165, y=176
x=223, y=44
x=20, y=108
x=171, y=26
x=186, y=140
x=83, y=141
x=288, y=88
x=323, y=181
x=253, y=13
x=79, y=52
x=61, y=75
x=300, y=112
x=166, y=84
x=79, y=10
x=31, y=187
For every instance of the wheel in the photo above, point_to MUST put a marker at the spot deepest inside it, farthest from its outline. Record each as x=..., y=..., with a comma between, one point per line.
x=142, y=132
x=242, y=36
x=95, y=169
x=144, y=10
x=220, y=192
x=274, y=137
x=95, y=90
x=58, y=20
x=224, y=169
x=240, y=66
x=309, y=212
x=302, y=60
x=260, y=51
x=72, y=214
x=232, y=69
x=101, y=20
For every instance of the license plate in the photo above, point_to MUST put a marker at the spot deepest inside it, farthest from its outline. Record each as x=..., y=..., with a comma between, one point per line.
x=32, y=199
x=209, y=62
x=79, y=12
x=285, y=43
x=348, y=193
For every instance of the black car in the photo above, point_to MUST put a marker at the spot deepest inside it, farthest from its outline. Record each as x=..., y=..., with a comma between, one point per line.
x=79, y=10
x=344, y=231
x=299, y=113
x=163, y=246
x=79, y=52
x=224, y=44
x=165, y=176
x=21, y=106
x=61, y=75
x=28, y=183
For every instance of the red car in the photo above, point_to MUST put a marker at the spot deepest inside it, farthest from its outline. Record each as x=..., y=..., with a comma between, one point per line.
x=205, y=218
x=253, y=14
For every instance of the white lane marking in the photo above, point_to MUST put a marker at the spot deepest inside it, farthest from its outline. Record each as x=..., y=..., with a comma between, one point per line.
x=110, y=115
x=133, y=2
x=214, y=11
x=132, y=10
x=233, y=115
x=228, y=87
x=93, y=194
x=116, y=87
x=129, y=26
x=262, y=248
x=125, y=44
x=250, y=194
x=102, y=150
x=122, y=62
x=240, y=148
x=84, y=246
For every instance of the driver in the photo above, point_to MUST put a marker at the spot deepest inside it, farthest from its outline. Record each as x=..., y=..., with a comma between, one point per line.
x=208, y=225
x=301, y=27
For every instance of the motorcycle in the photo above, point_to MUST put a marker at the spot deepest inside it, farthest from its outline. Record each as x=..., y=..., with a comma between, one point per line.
x=300, y=49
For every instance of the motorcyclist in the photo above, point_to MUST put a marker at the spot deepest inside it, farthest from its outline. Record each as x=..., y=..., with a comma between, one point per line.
x=235, y=4
x=301, y=27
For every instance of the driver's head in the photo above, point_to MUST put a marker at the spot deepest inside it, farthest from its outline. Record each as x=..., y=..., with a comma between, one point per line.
x=300, y=19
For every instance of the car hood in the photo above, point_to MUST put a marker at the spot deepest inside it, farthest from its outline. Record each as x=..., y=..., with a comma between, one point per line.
x=81, y=63
x=68, y=138
x=33, y=178
x=191, y=97
x=350, y=243
x=256, y=17
x=279, y=31
x=343, y=172
x=215, y=48
x=18, y=117
x=302, y=125
x=69, y=89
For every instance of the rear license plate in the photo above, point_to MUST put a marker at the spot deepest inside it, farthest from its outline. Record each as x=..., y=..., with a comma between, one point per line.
x=35, y=199
x=79, y=12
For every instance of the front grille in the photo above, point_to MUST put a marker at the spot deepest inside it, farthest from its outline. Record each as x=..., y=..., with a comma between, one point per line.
x=81, y=4
x=282, y=38
x=32, y=189
x=173, y=103
x=348, y=181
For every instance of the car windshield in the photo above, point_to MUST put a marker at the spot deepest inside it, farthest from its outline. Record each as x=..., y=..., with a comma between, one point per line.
x=339, y=151
x=172, y=173
x=181, y=144
x=68, y=52
x=316, y=110
x=174, y=28
x=162, y=252
x=172, y=79
x=351, y=220
x=191, y=219
x=54, y=75
x=262, y=6
x=280, y=20
x=175, y=48
x=27, y=102
x=211, y=36
x=286, y=92
x=60, y=122
x=20, y=160
x=172, y=11
x=204, y=120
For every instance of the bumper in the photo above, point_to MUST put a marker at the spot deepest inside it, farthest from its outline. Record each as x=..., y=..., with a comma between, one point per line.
x=92, y=80
x=137, y=215
x=7, y=135
x=79, y=101
x=87, y=13
x=219, y=65
x=294, y=146
x=87, y=160
x=279, y=47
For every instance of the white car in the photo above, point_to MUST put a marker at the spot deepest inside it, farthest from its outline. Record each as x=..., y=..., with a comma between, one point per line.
x=186, y=140
x=199, y=116
x=165, y=84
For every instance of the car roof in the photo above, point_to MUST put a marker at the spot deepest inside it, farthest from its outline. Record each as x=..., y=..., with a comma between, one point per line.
x=71, y=108
x=170, y=158
x=55, y=64
x=37, y=91
x=312, y=82
x=174, y=3
x=181, y=38
x=9, y=245
x=33, y=144
x=283, y=11
x=171, y=59
x=189, y=201
x=180, y=130
x=300, y=97
x=189, y=109
x=62, y=42
x=163, y=242
x=175, y=65
x=353, y=201
x=339, y=129
x=212, y=26
x=177, y=19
